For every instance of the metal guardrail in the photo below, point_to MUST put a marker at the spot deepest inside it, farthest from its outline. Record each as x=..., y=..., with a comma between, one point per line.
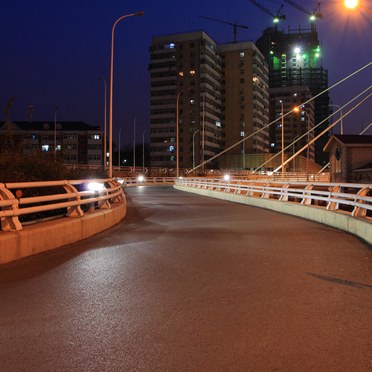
x=72, y=198
x=141, y=180
x=349, y=198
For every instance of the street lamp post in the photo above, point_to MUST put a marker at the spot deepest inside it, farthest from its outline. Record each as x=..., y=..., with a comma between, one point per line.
x=282, y=107
x=341, y=117
x=112, y=81
x=134, y=144
x=119, y=149
x=308, y=146
x=55, y=132
x=193, y=148
x=104, y=127
x=143, y=150
x=298, y=109
x=177, y=133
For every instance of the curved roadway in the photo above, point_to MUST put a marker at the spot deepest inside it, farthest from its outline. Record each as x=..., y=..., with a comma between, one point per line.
x=189, y=283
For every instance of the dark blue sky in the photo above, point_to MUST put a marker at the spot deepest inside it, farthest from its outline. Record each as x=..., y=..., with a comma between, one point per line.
x=52, y=52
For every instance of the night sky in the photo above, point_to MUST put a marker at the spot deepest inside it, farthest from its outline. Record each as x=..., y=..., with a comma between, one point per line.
x=53, y=52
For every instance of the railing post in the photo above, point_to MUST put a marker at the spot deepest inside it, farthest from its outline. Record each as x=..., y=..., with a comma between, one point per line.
x=332, y=206
x=76, y=210
x=11, y=222
x=360, y=211
x=284, y=193
x=307, y=192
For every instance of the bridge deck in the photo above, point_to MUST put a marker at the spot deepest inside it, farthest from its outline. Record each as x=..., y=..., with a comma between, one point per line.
x=188, y=283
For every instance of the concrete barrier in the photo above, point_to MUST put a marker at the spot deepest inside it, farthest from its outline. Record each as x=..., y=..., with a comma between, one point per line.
x=50, y=235
x=338, y=220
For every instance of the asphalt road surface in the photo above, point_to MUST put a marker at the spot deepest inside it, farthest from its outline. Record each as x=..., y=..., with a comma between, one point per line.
x=189, y=283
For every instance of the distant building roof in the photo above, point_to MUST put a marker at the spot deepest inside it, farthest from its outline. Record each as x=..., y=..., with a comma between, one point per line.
x=49, y=125
x=350, y=139
x=365, y=167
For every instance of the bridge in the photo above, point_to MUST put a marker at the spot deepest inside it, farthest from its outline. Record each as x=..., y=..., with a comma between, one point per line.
x=190, y=283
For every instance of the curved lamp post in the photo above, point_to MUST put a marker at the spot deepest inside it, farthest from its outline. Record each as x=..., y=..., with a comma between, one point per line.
x=341, y=117
x=308, y=119
x=112, y=82
x=104, y=126
x=193, y=148
x=177, y=134
x=282, y=107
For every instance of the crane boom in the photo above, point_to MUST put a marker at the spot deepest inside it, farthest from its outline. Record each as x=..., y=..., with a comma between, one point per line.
x=315, y=13
x=267, y=11
x=235, y=25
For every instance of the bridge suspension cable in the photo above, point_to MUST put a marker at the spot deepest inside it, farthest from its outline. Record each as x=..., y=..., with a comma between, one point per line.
x=274, y=121
x=316, y=126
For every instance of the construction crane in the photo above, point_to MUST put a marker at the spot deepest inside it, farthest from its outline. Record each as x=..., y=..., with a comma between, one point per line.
x=316, y=14
x=235, y=25
x=276, y=17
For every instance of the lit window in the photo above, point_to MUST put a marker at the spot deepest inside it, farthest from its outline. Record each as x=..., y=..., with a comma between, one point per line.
x=45, y=147
x=241, y=54
x=58, y=148
x=192, y=72
x=272, y=144
x=192, y=101
x=218, y=124
x=180, y=73
x=242, y=133
x=171, y=148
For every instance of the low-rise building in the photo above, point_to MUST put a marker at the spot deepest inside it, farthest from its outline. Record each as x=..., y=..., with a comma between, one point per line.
x=77, y=142
x=350, y=158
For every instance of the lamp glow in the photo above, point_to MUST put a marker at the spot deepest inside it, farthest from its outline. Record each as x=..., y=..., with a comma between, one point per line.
x=351, y=4
x=96, y=186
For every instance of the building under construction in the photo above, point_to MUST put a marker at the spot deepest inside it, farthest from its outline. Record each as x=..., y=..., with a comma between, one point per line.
x=295, y=59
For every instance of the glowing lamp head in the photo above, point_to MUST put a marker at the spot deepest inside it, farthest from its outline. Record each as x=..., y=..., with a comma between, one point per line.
x=351, y=4
x=140, y=179
x=297, y=50
x=96, y=186
x=226, y=177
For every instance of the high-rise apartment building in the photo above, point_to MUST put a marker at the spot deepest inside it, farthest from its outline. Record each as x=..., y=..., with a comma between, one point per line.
x=186, y=82
x=294, y=59
x=245, y=97
x=215, y=93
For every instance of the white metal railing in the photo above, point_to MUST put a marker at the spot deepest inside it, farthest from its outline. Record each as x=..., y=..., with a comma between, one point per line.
x=350, y=198
x=71, y=198
x=142, y=180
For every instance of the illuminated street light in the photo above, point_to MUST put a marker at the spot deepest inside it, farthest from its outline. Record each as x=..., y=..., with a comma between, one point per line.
x=351, y=4
x=298, y=109
x=112, y=81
